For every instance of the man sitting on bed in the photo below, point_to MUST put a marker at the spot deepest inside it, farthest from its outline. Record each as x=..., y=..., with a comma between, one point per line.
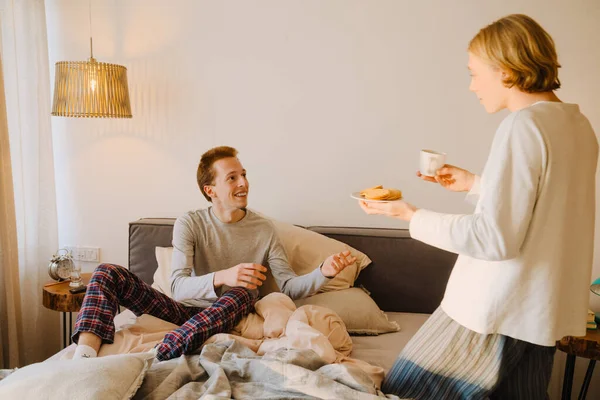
x=218, y=262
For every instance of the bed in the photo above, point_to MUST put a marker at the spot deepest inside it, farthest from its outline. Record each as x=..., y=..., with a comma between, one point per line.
x=405, y=278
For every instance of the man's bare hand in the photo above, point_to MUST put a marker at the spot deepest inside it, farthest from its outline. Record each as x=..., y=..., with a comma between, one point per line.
x=246, y=275
x=336, y=263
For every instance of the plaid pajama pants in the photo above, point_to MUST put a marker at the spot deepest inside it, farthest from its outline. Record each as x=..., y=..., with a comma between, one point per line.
x=112, y=285
x=445, y=360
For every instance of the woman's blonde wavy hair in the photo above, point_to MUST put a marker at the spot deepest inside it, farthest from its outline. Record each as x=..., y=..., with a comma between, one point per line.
x=521, y=47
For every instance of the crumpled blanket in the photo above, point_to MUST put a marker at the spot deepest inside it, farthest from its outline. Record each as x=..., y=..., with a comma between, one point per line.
x=278, y=324
x=230, y=370
x=277, y=352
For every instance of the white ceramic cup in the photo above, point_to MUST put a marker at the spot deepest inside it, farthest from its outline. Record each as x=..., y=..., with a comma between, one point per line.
x=431, y=161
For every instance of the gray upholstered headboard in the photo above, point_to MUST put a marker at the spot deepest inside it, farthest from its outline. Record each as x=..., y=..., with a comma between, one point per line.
x=405, y=275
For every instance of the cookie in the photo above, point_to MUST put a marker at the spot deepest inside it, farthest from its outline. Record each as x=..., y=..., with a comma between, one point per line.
x=379, y=193
x=363, y=192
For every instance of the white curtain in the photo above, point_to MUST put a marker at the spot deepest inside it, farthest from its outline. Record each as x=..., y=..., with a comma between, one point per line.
x=10, y=298
x=27, y=95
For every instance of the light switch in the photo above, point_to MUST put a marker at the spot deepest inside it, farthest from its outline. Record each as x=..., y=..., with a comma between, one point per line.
x=87, y=254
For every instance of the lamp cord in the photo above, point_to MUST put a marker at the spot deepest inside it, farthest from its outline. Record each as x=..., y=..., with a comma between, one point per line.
x=90, y=17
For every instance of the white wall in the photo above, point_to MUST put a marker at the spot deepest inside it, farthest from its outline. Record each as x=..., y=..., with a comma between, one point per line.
x=322, y=98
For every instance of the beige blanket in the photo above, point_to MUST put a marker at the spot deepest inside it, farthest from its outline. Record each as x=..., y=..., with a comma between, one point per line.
x=277, y=323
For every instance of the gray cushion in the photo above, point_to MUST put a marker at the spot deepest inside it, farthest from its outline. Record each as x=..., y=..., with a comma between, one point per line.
x=144, y=236
x=405, y=275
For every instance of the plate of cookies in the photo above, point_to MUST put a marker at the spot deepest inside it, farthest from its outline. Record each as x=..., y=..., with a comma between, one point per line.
x=378, y=194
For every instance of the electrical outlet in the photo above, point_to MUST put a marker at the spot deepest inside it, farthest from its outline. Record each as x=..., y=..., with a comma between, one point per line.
x=87, y=254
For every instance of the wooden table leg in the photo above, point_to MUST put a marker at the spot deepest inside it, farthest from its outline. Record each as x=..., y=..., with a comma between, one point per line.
x=587, y=380
x=70, y=327
x=64, y=330
x=568, y=379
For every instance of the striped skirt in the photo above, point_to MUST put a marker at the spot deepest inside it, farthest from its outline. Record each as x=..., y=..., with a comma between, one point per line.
x=445, y=360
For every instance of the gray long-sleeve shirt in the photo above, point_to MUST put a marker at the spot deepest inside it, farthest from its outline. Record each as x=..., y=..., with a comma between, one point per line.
x=203, y=245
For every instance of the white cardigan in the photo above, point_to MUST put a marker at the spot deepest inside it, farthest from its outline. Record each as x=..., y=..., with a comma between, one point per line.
x=526, y=254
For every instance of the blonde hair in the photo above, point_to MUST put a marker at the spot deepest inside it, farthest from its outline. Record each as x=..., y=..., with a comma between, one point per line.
x=521, y=47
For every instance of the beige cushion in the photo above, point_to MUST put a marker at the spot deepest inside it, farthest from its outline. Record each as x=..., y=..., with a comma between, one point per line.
x=356, y=308
x=306, y=250
x=107, y=378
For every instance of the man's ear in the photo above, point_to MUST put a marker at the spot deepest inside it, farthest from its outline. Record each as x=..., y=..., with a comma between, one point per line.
x=209, y=190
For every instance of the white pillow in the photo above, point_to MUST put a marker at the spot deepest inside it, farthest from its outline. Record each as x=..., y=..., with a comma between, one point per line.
x=162, y=275
x=111, y=377
x=305, y=249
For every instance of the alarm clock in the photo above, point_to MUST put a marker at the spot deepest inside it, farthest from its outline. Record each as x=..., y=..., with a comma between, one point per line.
x=61, y=265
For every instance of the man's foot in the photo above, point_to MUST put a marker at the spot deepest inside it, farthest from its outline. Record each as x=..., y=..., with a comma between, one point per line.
x=166, y=351
x=83, y=351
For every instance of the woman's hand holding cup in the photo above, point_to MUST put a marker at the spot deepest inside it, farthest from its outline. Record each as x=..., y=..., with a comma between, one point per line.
x=452, y=178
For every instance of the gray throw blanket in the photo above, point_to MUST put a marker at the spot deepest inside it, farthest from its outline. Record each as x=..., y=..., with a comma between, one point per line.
x=229, y=370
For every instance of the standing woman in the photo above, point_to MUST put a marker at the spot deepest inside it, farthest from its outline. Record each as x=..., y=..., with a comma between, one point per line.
x=525, y=255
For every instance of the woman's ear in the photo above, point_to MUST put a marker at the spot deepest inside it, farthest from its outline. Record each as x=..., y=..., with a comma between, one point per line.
x=505, y=76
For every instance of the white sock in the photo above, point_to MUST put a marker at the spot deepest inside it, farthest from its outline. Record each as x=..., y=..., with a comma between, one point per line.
x=84, y=351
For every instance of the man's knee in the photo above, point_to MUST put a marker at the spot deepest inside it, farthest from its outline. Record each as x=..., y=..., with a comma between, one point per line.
x=107, y=269
x=111, y=272
x=241, y=296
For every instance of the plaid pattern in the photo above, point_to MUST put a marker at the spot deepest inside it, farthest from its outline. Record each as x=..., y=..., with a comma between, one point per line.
x=445, y=360
x=222, y=316
x=112, y=285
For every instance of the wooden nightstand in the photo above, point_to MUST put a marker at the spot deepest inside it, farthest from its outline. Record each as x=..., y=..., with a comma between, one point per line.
x=56, y=296
x=588, y=347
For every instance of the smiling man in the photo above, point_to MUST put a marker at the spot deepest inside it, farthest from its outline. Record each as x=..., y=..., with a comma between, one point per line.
x=220, y=257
